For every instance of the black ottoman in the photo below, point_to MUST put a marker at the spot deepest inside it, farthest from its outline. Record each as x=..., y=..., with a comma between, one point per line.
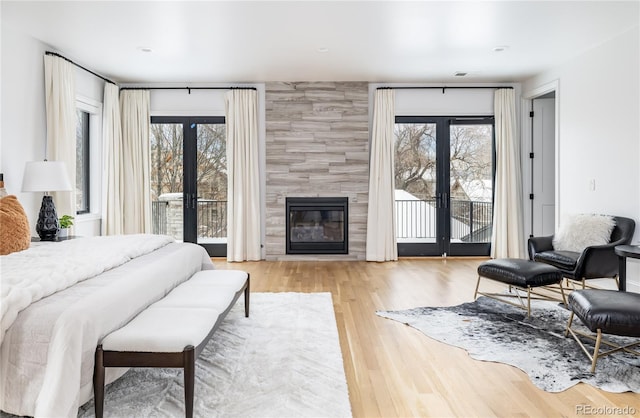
x=605, y=312
x=522, y=274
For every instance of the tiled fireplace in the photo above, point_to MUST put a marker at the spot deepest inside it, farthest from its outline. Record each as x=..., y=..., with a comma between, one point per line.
x=317, y=145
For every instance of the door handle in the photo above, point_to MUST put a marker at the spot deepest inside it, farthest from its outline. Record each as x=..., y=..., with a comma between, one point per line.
x=190, y=200
x=445, y=200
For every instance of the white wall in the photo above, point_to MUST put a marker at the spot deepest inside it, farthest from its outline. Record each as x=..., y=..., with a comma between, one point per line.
x=23, y=120
x=432, y=102
x=599, y=132
x=23, y=115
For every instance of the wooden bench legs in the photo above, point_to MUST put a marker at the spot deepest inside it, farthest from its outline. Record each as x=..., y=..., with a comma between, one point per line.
x=185, y=359
x=98, y=382
x=246, y=296
x=189, y=380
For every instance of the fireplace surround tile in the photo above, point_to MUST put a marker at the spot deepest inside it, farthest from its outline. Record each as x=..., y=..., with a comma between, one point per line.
x=317, y=144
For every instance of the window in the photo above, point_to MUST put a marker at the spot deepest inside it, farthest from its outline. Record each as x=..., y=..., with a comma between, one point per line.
x=189, y=180
x=83, y=162
x=444, y=168
x=88, y=158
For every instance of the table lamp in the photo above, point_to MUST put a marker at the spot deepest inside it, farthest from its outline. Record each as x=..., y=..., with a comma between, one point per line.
x=46, y=176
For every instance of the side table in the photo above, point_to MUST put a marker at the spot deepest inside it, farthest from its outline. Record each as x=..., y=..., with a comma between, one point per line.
x=623, y=252
x=35, y=241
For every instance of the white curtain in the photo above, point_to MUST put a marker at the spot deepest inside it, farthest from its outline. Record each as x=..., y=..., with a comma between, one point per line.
x=112, y=179
x=60, y=103
x=507, y=239
x=135, y=172
x=243, y=191
x=381, y=233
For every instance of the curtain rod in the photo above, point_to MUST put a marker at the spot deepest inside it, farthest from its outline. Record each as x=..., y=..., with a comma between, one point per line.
x=443, y=87
x=188, y=88
x=55, y=54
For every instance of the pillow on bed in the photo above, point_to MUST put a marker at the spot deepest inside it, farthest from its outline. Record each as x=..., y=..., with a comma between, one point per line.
x=15, y=234
x=578, y=232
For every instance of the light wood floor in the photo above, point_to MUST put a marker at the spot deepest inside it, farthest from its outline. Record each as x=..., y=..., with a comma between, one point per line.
x=395, y=371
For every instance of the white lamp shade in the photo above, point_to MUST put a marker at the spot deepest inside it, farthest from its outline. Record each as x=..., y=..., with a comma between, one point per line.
x=45, y=176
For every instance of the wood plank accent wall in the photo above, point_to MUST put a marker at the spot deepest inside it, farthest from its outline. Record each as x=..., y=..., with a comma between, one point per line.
x=317, y=144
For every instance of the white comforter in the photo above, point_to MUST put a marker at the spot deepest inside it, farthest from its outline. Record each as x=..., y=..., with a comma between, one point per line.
x=46, y=358
x=28, y=276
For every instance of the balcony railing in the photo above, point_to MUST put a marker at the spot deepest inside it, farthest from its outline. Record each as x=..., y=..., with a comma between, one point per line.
x=159, y=216
x=167, y=218
x=471, y=221
x=212, y=218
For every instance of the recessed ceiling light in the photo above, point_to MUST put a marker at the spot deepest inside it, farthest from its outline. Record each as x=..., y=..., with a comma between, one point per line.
x=500, y=48
x=145, y=49
x=323, y=50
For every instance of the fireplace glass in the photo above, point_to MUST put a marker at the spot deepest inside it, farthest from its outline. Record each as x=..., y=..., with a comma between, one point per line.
x=317, y=225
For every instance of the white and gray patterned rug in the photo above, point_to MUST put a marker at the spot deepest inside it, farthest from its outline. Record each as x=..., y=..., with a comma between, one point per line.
x=282, y=361
x=493, y=331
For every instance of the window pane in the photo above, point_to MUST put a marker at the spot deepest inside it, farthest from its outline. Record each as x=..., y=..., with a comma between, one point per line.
x=212, y=183
x=415, y=179
x=167, y=179
x=82, y=162
x=471, y=182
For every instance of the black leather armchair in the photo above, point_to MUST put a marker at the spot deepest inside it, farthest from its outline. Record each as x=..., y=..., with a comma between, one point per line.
x=594, y=262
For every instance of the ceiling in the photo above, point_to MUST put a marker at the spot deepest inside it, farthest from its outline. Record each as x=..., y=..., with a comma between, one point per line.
x=375, y=41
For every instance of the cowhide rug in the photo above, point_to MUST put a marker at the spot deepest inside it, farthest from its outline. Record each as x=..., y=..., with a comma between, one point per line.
x=493, y=331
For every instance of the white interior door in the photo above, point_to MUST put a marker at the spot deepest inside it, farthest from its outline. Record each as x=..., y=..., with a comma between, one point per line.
x=543, y=206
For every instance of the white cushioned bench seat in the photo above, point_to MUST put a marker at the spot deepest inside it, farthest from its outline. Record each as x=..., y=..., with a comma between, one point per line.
x=198, y=296
x=172, y=331
x=163, y=330
x=206, y=290
x=230, y=278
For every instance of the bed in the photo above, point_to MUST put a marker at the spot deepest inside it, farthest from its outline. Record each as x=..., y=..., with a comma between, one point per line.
x=60, y=299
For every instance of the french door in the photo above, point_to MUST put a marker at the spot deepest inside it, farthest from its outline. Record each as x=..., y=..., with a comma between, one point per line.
x=189, y=180
x=444, y=175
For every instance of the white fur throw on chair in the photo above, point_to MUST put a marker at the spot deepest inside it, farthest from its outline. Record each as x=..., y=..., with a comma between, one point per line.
x=578, y=232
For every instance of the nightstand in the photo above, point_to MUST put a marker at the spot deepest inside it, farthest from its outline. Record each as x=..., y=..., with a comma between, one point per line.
x=36, y=241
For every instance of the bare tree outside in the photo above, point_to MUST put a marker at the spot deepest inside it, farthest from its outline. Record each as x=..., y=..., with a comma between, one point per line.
x=212, y=161
x=470, y=170
x=471, y=185
x=167, y=172
x=470, y=160
x=166, y=158
x=415, y=159
x=167, y=179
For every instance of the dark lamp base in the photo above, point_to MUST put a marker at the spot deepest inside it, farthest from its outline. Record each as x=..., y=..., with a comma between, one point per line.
x=47, y=226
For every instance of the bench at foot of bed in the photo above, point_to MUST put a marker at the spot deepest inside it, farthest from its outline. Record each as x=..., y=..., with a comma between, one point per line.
x=173, y=331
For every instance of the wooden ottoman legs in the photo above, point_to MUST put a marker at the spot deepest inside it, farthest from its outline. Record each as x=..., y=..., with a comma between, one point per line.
x=597, y=353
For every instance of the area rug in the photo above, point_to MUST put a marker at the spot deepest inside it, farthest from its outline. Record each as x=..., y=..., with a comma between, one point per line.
x=282, y=361
x=493, y=331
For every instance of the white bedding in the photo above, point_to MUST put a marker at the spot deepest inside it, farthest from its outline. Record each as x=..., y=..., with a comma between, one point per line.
x=28, y=276
x=46, y=358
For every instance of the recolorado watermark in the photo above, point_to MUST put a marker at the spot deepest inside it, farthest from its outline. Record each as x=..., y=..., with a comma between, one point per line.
x=605, y=410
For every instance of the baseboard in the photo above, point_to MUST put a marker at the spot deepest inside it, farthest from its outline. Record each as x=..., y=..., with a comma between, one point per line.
x=633, y=287
x=313, y=257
